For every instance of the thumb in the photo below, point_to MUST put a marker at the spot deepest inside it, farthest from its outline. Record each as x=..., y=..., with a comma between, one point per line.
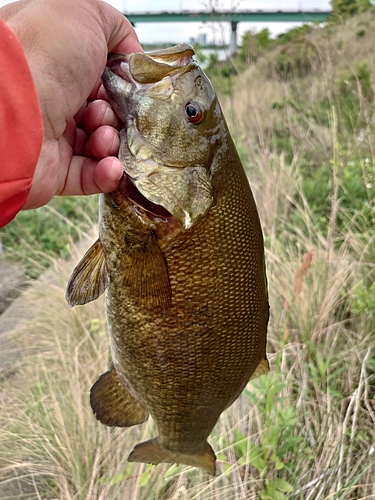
x=119, y=32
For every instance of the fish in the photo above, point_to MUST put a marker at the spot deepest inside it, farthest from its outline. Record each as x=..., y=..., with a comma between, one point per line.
x=180, y=257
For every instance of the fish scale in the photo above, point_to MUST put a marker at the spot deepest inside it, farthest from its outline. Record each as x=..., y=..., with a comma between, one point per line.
x=186, y=295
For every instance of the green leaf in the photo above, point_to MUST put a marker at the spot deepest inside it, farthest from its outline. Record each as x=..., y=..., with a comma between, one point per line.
x=241, y=443
x=258, y=462
x=227, y=468
x=282, y=485
x=144, y=478
x=279, y=464
x=118, y=478
x=271, y=493
x=171, y=471
x=239, y=435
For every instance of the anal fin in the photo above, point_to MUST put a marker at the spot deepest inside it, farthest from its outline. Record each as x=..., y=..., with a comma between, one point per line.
x=151, y=452
x=261, y=369
x=113, y=405
x=89, y=278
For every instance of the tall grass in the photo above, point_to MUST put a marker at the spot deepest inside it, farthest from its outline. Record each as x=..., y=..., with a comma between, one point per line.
x=305, y=431
x=37, y=237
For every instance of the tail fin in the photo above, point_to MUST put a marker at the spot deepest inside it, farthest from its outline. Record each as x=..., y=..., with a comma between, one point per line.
x=151, y=452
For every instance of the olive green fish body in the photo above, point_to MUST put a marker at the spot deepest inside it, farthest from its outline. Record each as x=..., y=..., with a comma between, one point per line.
x=185, y=292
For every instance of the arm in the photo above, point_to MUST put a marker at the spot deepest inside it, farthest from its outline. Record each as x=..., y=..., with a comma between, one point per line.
x=21, y=126
x=66, y=46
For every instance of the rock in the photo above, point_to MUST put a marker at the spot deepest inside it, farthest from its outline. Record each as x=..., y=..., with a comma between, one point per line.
x=12, y=281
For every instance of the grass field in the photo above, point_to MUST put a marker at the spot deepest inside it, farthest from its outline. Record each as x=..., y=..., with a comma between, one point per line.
x=306, y=431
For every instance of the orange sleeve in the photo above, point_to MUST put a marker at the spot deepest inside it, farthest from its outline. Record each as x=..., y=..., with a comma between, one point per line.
x=21, y=126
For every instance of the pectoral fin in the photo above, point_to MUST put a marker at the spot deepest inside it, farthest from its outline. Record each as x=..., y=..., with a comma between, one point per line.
x=89, y=278
x=151, y=452
x=146, y=275
x=112, y=403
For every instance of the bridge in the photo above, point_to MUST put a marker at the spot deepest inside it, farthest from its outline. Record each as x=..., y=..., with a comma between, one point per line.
x=233, y=17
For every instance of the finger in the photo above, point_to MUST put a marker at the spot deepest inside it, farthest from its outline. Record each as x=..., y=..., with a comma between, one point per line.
x=94, y=93
x=104, y=142
x=129, y=42
x=75, y=137
x=69, y=134
x=102, y=94
x=80, y=142
x=87, y=176
x=119, y=32
x=99, y=113
x=108, y=174
x=79, y=116
x=87, y=151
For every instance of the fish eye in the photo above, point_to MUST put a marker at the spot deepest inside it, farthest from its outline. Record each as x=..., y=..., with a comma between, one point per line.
x=194, y=112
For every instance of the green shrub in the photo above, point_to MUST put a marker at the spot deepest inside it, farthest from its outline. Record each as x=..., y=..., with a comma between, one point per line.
x=294, y=60
x=346, y=8
x=36, y=237
x=364, y=298
x=357, y=81
x=360, y=33
x=254, y=45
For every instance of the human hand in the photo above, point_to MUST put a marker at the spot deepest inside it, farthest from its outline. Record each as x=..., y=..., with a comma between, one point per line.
x=66, y=45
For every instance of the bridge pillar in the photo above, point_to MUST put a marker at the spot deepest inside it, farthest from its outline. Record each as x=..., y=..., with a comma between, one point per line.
x=233, y=39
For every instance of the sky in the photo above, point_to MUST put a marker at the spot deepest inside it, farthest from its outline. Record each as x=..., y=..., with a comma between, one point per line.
x=183, y=32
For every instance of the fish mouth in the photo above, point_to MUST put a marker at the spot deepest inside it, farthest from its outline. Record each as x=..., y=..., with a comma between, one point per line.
x=117, y=76
x=152, y=210
x=140, y=68
x=119, y=65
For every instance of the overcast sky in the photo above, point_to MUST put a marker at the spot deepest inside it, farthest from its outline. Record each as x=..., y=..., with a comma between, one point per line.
x=182, y=32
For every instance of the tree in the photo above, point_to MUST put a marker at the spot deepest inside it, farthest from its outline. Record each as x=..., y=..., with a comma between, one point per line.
x=255, y=44
x=346, y=8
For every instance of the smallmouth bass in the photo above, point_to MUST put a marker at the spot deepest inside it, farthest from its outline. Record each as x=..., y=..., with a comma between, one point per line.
x=180, y=254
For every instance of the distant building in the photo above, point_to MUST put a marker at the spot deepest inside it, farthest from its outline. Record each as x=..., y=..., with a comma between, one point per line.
x=202, y=39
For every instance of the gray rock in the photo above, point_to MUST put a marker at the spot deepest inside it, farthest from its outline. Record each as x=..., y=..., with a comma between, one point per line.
x=12, y=282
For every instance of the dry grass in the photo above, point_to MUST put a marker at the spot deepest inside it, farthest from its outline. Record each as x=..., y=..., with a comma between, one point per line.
x=305, y=431
x=310, y=422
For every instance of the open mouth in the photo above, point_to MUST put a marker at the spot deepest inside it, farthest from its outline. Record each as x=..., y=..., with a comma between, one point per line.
x=152, y=210
x=142, y=68
x=119, y=65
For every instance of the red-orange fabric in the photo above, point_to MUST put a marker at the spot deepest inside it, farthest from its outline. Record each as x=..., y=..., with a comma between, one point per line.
x=21, y=126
